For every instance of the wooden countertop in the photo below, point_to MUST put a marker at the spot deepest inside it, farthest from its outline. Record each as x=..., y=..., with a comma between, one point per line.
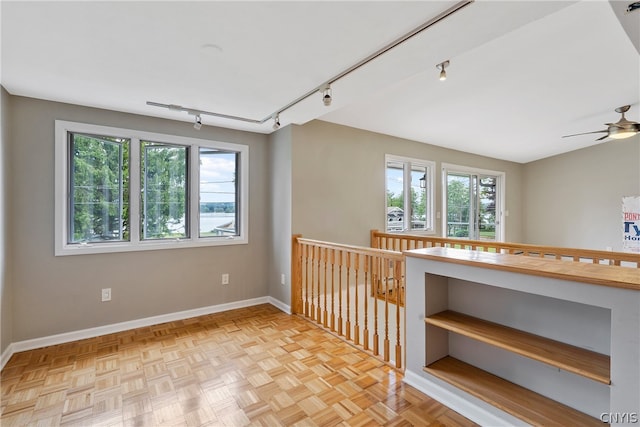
x=596, y=274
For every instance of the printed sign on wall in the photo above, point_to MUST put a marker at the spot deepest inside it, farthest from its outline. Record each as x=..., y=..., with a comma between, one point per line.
x=631, y=224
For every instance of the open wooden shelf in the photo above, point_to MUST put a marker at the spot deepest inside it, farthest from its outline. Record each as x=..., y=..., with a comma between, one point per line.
x=520, y=402
x=586, y=363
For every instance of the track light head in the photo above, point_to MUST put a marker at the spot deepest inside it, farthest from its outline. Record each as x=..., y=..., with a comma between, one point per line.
x=198, y=122
x=276, y=121
x=441, y=66
x=326, y=95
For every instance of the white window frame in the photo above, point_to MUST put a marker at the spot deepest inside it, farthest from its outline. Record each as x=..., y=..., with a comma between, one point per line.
x=429, y=191
x=62, y=247
x=500, y=199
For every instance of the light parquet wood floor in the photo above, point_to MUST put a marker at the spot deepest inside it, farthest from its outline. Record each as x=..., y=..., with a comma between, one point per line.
x=254, y=366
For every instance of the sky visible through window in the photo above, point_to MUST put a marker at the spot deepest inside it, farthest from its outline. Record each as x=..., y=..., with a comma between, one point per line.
x=217, y=177
x=217, y=192
x=394, y=180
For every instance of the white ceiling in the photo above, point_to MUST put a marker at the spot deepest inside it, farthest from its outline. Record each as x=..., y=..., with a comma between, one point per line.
x=522, y=73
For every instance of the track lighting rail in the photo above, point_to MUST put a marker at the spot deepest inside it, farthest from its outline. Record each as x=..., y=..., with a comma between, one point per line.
x=458, y=6
x=195, y=112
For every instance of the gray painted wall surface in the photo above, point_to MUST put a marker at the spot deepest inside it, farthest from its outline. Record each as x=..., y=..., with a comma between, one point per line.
x=6, y=302
x=60, y=294
x=280, y=214
x=575, y=199
x=339, y=181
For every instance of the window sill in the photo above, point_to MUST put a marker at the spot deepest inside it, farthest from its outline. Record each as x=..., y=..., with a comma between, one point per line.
x=101, y=248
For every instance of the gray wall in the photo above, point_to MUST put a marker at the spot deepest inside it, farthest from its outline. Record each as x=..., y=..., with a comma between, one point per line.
x=280, y=214
x=61, y=294
x=575, y=199
x=339, y=181
x=6, y=302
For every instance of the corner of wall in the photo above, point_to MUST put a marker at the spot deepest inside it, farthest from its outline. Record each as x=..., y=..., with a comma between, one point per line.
x=280, y=183
x=6, y=306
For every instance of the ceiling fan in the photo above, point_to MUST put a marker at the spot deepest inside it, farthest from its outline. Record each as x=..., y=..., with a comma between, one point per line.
x=621, y=129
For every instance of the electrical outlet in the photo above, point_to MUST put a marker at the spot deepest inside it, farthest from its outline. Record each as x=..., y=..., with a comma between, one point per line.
x=225, y=279
x=106, y=294
x=283, y=279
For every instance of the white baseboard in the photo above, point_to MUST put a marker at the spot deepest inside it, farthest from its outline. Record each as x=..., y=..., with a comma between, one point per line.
x=6, y=355
x=279, y=304
x=132, y=324
x=465, y=404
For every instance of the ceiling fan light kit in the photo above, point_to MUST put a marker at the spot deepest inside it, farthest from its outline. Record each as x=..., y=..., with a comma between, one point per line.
x=623, y=133
x=621, y=129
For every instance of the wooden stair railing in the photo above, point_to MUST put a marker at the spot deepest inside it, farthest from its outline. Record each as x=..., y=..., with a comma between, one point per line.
x=333, y=286
x=358, y=293
x=403, y=242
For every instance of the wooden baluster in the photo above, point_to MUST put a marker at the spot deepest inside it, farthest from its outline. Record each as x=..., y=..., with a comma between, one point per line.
x=376, y=337
x=398, y=273
x=325, y=313
x=386, y=311
x=313, y=283
x=356, y=326
x=305, y=251
x=377, y=283
x=318, y=314
x=318, y=270
x=333, y=292
x=371, y=279
x=340, y=292
x=365, y=332
x=348, y=323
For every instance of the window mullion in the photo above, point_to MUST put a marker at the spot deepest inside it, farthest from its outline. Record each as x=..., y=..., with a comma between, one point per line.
x=406, y=170
x=193, y=184
x=134, y=194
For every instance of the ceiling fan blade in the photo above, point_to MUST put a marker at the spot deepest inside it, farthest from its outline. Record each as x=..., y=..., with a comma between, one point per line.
x=604, y=137
x=587, y=133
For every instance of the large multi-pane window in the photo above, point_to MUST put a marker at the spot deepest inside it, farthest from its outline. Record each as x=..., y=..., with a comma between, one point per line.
x=409, y=194
x=123, y=190
x=473, y=203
